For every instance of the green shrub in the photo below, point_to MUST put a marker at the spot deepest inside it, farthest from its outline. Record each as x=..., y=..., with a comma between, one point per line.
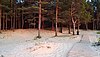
x=96, y=43
x=98, y=32
x=98, y=40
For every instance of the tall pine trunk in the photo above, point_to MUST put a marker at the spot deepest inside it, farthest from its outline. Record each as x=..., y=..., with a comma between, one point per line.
x=78, y=28
x=86, y=25
x=16, y=19
x=34, y=23
x=11, y=20
x=22, y=18
x=93, y=25
x=97, y=23
x=0, y=16
x=52, y=25
x=73, y=28
x=74, y=22
x=61, y=27
x=3, y=20
x=6, y=22
x=11, y=17
x=69, y=28
x=56, y=17
x=19, y=20
x=39, y=23
x=14, y=9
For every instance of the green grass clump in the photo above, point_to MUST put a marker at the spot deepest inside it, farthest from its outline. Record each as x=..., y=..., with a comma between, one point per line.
x=98, y=40
x=98, y=32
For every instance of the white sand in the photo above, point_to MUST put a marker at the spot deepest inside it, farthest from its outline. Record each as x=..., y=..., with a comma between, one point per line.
x=21, y=43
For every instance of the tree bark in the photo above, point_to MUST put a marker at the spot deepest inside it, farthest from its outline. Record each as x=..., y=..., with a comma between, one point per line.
x=14, y=21
x=69, y=29
x=11, y=14
x=3, y=21
x=22, y=19
x=56, y=17
x=74, y=22
x=6, y=22
x=0, y=16
x=93, y=25
x=73, y=28
x=52, y=26
x=86, y=26
x=97, y=23
x=78, y=28
x=60, y=27
x=11, y=23
x=18, y=24
x=39, y=23
x=34, y=23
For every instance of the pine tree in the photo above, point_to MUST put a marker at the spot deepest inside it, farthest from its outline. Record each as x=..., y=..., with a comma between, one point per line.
x=0, y=16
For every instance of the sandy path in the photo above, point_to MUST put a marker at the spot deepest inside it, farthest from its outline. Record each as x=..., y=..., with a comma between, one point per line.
x=82, y=49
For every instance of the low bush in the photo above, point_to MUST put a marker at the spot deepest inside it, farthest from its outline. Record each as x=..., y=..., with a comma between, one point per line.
x=98, y=32
x=98, y=40
x=96, y=43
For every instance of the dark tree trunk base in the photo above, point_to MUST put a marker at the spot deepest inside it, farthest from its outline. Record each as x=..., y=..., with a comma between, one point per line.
x=77, y=32
x=56, y=34
x=38, y=37
x=0, y=32
x=60, y=30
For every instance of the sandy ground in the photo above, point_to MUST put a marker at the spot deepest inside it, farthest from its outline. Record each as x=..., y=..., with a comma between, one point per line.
x=83, y=48
x=23, y=43
x=93, y=38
